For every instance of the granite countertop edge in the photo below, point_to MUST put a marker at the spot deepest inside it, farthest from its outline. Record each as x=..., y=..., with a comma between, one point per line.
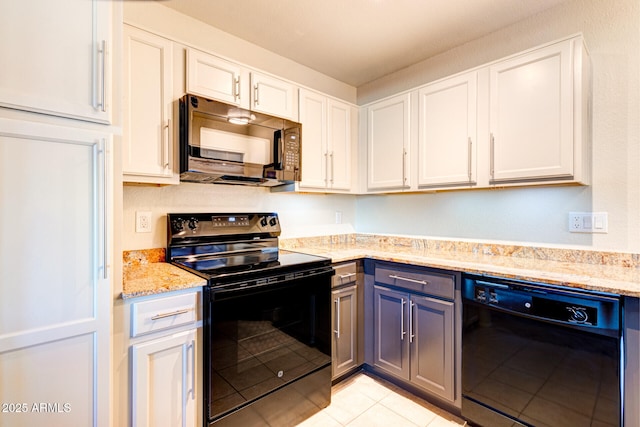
x=156, y=276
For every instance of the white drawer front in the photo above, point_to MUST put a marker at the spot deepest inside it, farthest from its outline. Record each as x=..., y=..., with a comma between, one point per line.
x=163, y=313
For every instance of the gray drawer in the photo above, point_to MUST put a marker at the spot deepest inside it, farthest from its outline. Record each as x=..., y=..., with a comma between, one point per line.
x=430, y=283
x=345, y=274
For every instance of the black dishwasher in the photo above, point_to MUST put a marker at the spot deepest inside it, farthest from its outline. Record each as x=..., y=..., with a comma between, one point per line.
x=540, y=355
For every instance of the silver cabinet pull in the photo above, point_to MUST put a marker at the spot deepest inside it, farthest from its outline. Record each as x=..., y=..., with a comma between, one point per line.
x=404, y=167
x=469, y=164
x=256, y=101
x=492, y=154
x=192, y=390
x=102, y=151
x=332, y=166
x=337, y=329
x=408, y=279
x=236, y=89
x=326, y=168
x=170, y=314
x=165, y=145
x=402, y=332
x=102, y=53
x=411, y=335
x=346, y=276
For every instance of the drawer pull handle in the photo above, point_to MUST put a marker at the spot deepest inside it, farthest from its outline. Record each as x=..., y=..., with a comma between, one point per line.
x=407, y=279
x=346, y=276
x=170, y=314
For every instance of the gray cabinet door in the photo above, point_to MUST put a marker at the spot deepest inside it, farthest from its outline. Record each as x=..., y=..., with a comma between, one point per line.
x=345, y=330
x=431, y=332
x=391, y=326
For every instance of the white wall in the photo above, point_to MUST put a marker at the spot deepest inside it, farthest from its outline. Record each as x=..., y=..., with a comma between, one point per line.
x=537, y=215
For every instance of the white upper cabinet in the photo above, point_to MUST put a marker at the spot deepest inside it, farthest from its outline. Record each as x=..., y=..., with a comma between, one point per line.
x=148, y=143
x=274, y=96
x=313, y=116
x=388, y=139
x=62, y=62
x=226, y=81
x=447, y=132
x=326, y=142
x=217, y=78
x=536, y=115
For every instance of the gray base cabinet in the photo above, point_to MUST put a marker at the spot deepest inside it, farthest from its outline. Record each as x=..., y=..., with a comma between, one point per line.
x=414, y=333
x=432, y=351
x=347, y=329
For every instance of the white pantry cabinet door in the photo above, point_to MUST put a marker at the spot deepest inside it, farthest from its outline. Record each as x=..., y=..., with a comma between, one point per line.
x=531, y=115
x=164, y=381
x=59, y=54
x=273, y=96
x=55, y=295
x=388, y=137
x=339, y=145
x=217, y=78
x=313, y=116
x=148, y=149
x=447, y=132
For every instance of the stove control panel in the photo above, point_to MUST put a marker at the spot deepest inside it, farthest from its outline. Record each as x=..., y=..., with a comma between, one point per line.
x=210, y=225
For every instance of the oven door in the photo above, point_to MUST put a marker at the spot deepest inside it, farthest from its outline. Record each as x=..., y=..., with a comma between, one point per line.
x=262, y=338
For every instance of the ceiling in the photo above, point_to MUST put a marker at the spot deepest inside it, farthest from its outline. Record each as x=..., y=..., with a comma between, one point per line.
x=357, y=41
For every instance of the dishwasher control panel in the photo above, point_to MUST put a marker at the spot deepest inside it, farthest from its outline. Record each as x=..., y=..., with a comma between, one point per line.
x=544, y=302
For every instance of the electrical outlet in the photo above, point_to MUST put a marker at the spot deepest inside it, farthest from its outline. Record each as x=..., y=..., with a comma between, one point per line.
x=588, y=222
x=338, y=217
x=143, y=222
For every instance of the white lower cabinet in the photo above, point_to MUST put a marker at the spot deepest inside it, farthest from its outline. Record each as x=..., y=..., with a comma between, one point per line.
x=166, y=362
x=164, y=381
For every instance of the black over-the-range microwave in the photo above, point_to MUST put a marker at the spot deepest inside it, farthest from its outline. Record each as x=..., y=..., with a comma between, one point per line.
x=224, y=144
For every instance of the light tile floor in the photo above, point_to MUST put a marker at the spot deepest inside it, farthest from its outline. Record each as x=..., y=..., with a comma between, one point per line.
x=366, y=401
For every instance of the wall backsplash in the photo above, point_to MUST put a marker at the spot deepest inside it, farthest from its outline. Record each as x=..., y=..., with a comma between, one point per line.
x=300, y=214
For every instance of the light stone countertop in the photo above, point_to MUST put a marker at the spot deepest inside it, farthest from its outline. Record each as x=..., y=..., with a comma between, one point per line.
x=145, y=273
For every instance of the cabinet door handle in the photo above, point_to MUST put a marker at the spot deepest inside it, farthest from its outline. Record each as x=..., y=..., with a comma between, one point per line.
x=492, y=154
x=469, y=164
x=101, y=80
x=326, y=168
x=337, y=329
x=404, y=167
x=256, y=101
x=411, y=335
x=402, y=332
x=408, y=279
x=102, y=151
x=170, y=314
x=332, y=166
x=165, y=145
x=192, y=391
x=236, y=89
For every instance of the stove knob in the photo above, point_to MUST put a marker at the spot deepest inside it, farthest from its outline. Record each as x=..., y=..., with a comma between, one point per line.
x=193, y=223
x=178, y=224
x=263, y=221
x=273, y=221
